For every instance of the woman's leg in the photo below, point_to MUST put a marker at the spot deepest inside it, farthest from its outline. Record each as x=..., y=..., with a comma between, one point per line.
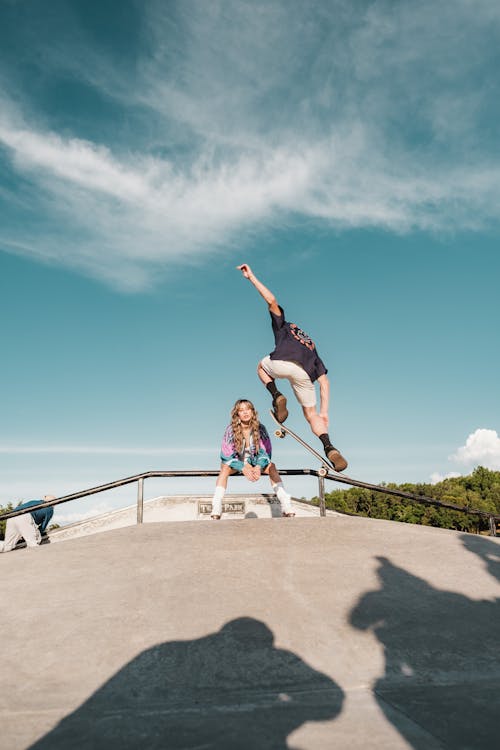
x=220, y=490
x=279, y=490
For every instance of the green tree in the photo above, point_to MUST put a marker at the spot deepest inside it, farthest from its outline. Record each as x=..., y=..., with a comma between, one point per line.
x=479, y=491
x=5, y=509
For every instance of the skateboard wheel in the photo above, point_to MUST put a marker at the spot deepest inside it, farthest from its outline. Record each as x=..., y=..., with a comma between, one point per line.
x=322, y=472
x=279, y=433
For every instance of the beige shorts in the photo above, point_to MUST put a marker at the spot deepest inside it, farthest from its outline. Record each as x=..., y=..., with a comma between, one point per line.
x=299, y=379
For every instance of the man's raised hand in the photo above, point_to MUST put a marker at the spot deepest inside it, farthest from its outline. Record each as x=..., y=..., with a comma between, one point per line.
x=245, y=270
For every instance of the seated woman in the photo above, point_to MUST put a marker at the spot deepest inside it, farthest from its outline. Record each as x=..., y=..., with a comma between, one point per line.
x=246, y=448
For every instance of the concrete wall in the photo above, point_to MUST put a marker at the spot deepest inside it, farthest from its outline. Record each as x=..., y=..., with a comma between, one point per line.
x=184, y=508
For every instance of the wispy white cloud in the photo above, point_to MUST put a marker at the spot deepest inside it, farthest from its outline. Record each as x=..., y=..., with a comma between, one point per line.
x=66, y=516
x=354, y=116
x=102, y=450
x=482, y=447
x=74, y=160
x=436, y=477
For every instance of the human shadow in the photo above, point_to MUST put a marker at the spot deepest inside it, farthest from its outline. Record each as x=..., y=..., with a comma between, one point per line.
x=230, y=689
x=487, y=549
x=442, y=669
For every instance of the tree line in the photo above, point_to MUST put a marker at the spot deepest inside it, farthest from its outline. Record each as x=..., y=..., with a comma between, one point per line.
x=479, y=491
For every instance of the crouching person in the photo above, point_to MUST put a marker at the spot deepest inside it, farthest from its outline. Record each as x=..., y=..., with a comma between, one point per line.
x=29, y=526
x=246, y=448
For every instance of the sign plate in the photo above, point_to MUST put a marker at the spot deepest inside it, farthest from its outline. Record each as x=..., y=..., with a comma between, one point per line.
x=228, y=506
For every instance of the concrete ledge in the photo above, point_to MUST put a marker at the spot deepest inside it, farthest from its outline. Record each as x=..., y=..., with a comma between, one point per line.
x=177, y=508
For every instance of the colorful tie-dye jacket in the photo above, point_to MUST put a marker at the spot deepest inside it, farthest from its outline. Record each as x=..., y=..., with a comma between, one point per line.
x=258, y=457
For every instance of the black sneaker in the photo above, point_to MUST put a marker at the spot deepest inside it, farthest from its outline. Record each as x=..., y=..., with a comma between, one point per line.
x=336, y=458
x=279, y=408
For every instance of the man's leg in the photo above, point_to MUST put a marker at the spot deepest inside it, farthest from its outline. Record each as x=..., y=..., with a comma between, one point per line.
x=29, y=530
x=279, y=400
x=12, y=533
x=319, y=428
x=279, y=490
x=220, y=490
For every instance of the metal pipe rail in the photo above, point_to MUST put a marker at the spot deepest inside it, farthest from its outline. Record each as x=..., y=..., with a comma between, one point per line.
x=320, y=474
x=140, y=479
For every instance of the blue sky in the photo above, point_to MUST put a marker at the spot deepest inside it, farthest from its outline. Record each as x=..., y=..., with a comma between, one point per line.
x=348, y=151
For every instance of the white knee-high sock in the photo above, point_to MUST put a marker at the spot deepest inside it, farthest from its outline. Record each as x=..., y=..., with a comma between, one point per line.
x=217, y=500
x=283, y=496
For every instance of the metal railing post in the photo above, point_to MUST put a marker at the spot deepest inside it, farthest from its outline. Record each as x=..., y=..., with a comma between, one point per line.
x=321, y=484
x=140, y=500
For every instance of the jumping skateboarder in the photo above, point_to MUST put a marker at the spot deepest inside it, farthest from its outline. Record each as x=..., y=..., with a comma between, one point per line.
x=295, y=358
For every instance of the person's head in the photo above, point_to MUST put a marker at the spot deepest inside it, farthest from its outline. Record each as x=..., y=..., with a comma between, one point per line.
x=243, y=414
x=46, y=498
x=243, y=410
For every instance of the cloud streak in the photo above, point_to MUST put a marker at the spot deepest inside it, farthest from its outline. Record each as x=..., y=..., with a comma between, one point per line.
x=379, y=122
x=436, y=477
x=101, y=450
x=64, y=517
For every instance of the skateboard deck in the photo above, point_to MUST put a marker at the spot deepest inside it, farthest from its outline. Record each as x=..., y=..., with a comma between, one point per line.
x=284, y=430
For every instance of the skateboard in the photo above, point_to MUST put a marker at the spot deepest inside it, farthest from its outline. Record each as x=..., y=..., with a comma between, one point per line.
x=283, y=430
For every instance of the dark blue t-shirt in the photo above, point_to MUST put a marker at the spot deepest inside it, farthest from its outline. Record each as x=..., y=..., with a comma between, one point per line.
x=42, y=516
x=294, y=345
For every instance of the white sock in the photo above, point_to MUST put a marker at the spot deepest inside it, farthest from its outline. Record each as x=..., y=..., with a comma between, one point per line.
x=217, y=500
x=283, y=496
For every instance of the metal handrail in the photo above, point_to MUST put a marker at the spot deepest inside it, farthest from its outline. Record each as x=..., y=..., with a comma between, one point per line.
x=320, y=474
x=137, y=478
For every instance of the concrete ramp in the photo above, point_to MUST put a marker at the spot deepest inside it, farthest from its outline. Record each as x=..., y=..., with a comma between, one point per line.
x=310, y=633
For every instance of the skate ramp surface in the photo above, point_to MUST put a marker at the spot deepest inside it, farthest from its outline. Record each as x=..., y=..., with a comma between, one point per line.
x=180, y=508
x=305, y=633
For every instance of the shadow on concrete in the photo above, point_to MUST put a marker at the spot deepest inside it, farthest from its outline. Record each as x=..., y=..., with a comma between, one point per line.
x=276, y=510
x=487, y=550
x=442, y=673
x=231, y=689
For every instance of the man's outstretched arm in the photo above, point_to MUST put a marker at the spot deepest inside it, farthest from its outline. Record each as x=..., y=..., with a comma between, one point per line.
x=262, y=290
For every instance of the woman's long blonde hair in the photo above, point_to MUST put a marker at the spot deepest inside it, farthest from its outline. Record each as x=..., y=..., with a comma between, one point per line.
x=237, y=429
